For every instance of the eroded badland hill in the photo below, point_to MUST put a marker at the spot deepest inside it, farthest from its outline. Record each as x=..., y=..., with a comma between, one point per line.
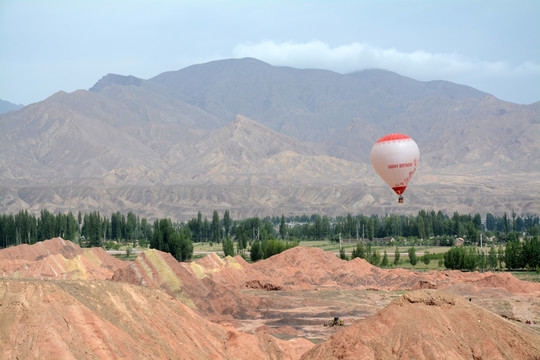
x=60, y=301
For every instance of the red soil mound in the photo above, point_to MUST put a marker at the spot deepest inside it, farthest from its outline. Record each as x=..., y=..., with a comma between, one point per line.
x=40, y=250
x=313, y=268
x=193, y=284
x=106, y=319
x=57, y=258
x=111, y=320
x=429, y=324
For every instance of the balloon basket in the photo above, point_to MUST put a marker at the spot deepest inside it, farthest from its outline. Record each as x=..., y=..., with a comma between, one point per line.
x=400, y=200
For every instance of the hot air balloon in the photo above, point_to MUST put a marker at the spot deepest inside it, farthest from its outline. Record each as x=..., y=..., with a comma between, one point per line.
x=395, y=157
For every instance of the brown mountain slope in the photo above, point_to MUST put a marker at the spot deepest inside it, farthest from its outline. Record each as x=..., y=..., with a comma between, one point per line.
x=429, y=324
x=314, y=268
x=215, y=286
x=70, y=136
x=112, y=320
x=304, y=103
x=57, y=259
x=246, y=152
x=190, y=284
x=132, y=144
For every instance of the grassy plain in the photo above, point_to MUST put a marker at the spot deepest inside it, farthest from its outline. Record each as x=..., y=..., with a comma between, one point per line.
x=202, y=249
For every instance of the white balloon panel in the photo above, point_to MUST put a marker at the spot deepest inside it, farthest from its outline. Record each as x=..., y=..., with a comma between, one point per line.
x=395, y=158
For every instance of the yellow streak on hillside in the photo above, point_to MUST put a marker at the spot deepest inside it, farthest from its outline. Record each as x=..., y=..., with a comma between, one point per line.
x=59, y=265
x=233, y=263
x=91, y=255
x=168, y=276
x=199, y=270
x=75, y=268
x=218, y=262
x=146, y=269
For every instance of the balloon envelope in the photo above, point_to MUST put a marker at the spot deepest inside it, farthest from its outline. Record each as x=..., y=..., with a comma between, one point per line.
x=395, y=157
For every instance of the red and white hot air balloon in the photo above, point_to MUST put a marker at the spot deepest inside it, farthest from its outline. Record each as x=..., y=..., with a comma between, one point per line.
x=395, y=158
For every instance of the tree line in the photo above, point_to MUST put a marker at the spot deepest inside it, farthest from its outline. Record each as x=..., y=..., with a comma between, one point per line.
x=88, y=229
x=270, y=235
x=26, y=228
x=516, y=255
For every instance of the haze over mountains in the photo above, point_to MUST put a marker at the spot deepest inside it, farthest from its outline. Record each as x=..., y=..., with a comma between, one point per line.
x=6, y=106
x=254, y=139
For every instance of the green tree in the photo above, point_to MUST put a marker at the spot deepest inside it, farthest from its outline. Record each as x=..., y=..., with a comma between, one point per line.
x=359, y=251
x=241, y=236
x=482, y=261
x=146, y=233
x=72, y=232
x=384, y=262
x=396, y=256
x=369, y=252
x=283, y=227
x=92, y=229
x=426, y=258
x=470, y=262
x=500, y=256
x=472, y=232
x=412, y=256
x=228, y=247
x=342, y=254
x=256, y=251
x=513, y=254
x=176, y=242
x=131, y=225
x=492, y=257
x=185, y=246
x=227, y=222
x=46, y=226
x=375, y=258
x=216, y=228
x=453, y=258
x=326, y=227
x=531, y=252
x=491, y=222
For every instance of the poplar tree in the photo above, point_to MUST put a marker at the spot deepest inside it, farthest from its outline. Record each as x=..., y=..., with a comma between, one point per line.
x=283, y=227
x=216, y=228
x=227, y=222
x=228, y=247
x=384, y=262
x=492, y=257
x=412, y=256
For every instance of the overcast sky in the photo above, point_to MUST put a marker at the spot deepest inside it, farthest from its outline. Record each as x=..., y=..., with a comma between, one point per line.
x=47, y=46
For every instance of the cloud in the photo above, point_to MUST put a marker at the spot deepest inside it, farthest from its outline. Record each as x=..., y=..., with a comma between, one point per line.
x=359, y=56
x=419, y=64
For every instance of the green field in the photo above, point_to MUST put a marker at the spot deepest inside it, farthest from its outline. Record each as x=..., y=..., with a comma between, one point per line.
x=527, y=275
x=202, y=249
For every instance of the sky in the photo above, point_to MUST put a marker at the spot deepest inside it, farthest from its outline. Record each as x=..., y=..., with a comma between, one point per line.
x=52, y=45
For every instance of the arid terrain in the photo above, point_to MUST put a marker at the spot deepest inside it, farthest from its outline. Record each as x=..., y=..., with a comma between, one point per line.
x=60, y=301
x=259, y=140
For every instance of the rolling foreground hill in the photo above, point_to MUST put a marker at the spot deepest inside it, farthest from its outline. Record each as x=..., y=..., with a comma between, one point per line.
x=428, y=324
x=156, y=307
x=257, y=140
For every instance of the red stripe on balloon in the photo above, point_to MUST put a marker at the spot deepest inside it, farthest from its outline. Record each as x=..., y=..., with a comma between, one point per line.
x=391, y=137
x=399, y=189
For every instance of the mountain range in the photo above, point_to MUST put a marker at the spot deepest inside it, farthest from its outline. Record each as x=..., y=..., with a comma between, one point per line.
x=255, y=139
x=6, y=106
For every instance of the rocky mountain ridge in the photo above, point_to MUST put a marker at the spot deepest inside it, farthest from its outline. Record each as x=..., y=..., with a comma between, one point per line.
x=255, y=129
